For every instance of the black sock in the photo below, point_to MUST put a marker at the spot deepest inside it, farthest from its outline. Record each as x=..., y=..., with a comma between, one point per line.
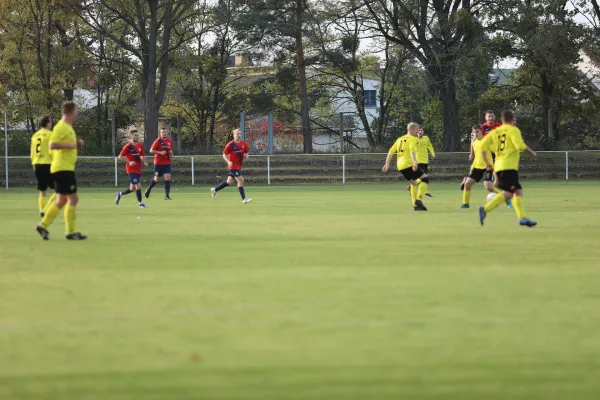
x=138, y=193
x=242, y=192
x=126, y=191
x=151, y=185
x=167, y=188
x=222, y=185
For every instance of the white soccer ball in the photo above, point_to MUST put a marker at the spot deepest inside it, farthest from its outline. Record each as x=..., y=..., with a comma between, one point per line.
x=491, y=196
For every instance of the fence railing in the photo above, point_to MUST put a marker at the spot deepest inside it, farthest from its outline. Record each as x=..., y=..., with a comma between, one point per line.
x=301, y=169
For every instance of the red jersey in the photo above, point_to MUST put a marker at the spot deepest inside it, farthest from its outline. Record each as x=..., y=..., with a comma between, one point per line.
x=486, y=128
x=236, y=153
x=167, y=145
x=133, y=152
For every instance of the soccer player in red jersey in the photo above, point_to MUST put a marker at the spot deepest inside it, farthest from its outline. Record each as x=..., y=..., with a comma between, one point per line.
x=490, y=123
x=234, y=154
x=162, y=148
x=133, y=155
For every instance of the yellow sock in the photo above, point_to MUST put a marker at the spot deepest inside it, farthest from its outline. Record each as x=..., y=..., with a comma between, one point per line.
x=496, y=190
x=51, y=200
x=413, y=193
x=495, y=203
x=518, y=206
x=70, y=219
x=423, y=189
x=466, y=196
x=42, y=203
x=51, y=211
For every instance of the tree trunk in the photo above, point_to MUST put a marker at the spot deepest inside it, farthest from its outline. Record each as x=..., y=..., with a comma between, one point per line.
x=49, y=59
x=547, y=122
x=451, y=115
x=362, y=114
x=28, y=109
x=151, y=108
x=213, y=119
x=303, y=92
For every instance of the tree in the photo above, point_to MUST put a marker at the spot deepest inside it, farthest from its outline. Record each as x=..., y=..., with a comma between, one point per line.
x=548, y=41
x=202, y=77
x=437, y=33
x=279, y=25
x=40, y=62
x=149, y=31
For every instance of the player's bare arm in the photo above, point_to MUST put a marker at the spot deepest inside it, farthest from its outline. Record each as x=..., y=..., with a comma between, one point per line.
x=159, y=152
x=471, y=153
x=413, y=155
x=531, y=153
x=488, y=165
x=227, y=160
x=386, y=166
x=73, y=145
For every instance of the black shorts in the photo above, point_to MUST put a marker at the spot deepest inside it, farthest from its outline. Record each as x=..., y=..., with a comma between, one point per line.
x=235, y=173
x=479, y=174
x=65, y=182
x=410, y=175
x=161, y=169
x=134, y=178
x=424, y=167
x=44, y=177
x=508, y=180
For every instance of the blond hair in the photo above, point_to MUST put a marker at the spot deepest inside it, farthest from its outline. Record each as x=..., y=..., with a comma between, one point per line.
x=412, y=125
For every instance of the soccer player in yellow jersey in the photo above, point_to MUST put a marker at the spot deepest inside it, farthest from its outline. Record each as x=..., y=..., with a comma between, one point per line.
x=478, y=168
x=406, y=150
x=424, y=147
x=40, y=160
x=506, y=141
x=64, y=145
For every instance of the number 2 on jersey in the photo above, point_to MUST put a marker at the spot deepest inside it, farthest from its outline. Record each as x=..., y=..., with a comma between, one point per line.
x=38, y=146
x=501, y=142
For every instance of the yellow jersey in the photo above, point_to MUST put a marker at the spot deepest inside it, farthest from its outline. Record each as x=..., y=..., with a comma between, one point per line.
x=478, y=161
x=40, y=150
x=423, y=150
x=507, y=142
x=402, y=148
x=63, y=159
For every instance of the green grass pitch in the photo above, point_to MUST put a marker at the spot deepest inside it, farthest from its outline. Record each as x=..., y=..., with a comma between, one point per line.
x=319, y=292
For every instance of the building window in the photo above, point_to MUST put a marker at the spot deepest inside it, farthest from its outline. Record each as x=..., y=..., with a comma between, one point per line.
x=370, y=98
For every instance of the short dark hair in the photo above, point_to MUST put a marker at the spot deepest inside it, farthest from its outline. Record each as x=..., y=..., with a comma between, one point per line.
x=133, y=131
x=45, y=120
x=68, y=107
x=476, y=128
x=490, y=112
x=508, y=116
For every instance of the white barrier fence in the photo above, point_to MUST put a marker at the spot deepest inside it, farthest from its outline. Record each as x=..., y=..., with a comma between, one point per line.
x=313, y=168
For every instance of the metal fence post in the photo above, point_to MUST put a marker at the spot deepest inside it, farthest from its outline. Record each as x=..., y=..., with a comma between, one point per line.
x=566, y=165
x=342, y=132
x=270, y=132
x=343, y=168
x=5, y=150
x=193, y=178
x=268, y=170
x=178, y=133
x=113, y=128
x=243, y=124
x=116, y=173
